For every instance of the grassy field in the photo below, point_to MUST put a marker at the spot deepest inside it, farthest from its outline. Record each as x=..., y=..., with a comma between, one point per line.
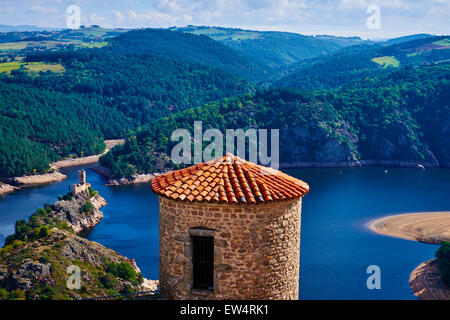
x=387, y=61
x=9, y=66
x=218, y=34
x=20, y=45
x=95, y=44
x=443, y=42
x=31, y=67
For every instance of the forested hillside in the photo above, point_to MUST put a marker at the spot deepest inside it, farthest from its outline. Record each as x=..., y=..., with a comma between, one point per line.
x=108, y=82
x=103, y=92
x=39, y=126
x=272, y=49
x=190, y=48
x=402, y=116
x=357, y=62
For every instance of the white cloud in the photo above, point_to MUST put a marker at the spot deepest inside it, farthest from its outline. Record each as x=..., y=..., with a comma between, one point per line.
x=43, y=10
x=119, y=16
x=96, y=19
x=153, y=18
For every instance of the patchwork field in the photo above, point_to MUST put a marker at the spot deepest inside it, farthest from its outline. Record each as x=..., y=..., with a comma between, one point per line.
x=95, y=44
x=443, y=42
x=31, y=67
x=235, y=35
x=20, y=45
x=387, y=61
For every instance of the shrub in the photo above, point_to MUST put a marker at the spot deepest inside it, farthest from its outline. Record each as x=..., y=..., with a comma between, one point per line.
x=127, y=289
x=4, y=295
x=108, y=281
x=123, y=270
x=43, y=232
x=44, y=259
x=92, y=193
x=87, y=207
x=17, y=295
x=443, y=257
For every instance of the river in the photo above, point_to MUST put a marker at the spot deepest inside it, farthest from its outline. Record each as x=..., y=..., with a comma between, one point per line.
x=336, y=246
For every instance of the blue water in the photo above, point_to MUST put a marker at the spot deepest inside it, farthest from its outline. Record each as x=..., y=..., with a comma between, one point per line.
x=336, y=247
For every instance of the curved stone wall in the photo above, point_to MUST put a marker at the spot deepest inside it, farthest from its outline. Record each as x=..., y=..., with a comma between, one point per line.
x=256, y=249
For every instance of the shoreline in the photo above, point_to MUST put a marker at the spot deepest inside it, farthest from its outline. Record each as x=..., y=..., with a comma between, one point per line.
x=146, y=177
x=365, y=163
x=428, y=227
x=16, y=183
x=425, y=282
x=135, y=179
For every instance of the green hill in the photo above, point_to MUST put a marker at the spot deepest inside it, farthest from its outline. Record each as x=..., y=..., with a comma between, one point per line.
x=273, y=49
x=356, y=62
x=101, y=93
x=189, y=48
x=399, y=117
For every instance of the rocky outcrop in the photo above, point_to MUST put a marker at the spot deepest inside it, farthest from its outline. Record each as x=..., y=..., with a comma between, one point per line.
x=426, y=283
x=318, y=144
x=38, y=260
x=37, y=179
x=28, y=273
x=6, y=188
x=65, y=250
x=70, y=211
x=135, y=179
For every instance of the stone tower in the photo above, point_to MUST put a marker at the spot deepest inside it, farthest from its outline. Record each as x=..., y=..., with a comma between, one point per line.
x=229, y=229
x=82, y=185
x=81, y=177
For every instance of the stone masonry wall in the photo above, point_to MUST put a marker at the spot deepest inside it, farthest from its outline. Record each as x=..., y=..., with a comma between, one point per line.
x=256, y=249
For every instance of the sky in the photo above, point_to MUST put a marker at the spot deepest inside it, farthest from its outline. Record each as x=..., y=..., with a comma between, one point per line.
x=365, y=18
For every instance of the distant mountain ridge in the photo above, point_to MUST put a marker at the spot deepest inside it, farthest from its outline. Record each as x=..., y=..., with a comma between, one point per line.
x=356, y=62
x=22, y=28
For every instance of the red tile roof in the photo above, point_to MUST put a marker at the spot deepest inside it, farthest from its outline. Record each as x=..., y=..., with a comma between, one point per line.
x=229, y=179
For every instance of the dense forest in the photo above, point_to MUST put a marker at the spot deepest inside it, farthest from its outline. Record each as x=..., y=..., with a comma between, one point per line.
x=102, y=94
x=141, y=84
x=39, y=126
x=273, y=49
x=189, y=48
x=395, y=116
x=357, y=62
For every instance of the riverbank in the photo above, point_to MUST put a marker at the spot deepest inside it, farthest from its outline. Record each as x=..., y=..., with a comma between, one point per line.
x=429, y=227
x=6, y=188
x=146, y=178
x=85, y=160
x=135, y=179
x=365, y=163
x=426, y=283
x=15, y=183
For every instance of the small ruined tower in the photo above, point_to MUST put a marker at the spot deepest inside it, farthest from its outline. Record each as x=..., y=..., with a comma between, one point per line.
x=229, y=229
x=82, y=186
x=81, y=177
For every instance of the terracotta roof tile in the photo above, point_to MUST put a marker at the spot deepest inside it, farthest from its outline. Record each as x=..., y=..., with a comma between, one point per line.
x=229, y=179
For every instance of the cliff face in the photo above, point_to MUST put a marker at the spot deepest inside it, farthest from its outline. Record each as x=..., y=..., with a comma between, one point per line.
x=71, y=211
x=39, y=260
